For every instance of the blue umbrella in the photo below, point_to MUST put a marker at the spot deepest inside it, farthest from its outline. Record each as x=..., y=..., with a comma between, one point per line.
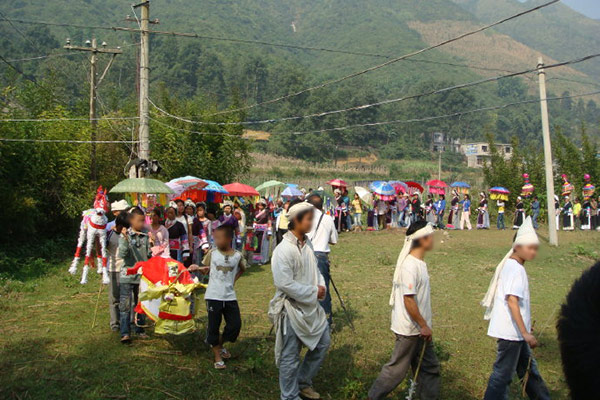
x=382, y=188
x=214, y=187
x=461, y=185
x=291, y=192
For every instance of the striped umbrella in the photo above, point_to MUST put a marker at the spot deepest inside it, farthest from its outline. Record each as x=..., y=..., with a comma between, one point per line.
x=382, y=188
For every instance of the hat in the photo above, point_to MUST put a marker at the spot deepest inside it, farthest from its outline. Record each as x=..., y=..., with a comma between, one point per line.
x=298, y=208
x=227, y=203
x=120, y=205
x=526, y=234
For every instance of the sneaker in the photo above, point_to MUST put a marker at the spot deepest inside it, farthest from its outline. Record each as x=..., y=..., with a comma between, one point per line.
x=126, y=339
x=309, y=393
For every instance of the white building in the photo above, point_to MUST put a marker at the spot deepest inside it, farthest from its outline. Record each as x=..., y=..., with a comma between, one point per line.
x=478, y=153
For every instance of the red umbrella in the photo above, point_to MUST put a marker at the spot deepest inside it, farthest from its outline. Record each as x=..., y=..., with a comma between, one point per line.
x=239, y=189
x=437, y=183
x=412, y=186
x=337, y=183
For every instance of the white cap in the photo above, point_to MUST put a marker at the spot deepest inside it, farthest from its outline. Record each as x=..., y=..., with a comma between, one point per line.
x=120, y=205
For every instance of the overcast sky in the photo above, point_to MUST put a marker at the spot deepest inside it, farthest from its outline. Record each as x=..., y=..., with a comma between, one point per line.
x=591, y=8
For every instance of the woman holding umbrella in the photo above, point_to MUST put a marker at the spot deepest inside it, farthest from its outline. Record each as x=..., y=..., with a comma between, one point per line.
x=454, y=206
x=483, y=218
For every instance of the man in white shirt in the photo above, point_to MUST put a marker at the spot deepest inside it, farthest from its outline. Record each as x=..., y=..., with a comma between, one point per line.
x=297, y=317
x=322, y=235
x=411, y=320
x=508, y=309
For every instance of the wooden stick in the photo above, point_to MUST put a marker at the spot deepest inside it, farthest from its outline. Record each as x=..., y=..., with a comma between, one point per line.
x=97, y=302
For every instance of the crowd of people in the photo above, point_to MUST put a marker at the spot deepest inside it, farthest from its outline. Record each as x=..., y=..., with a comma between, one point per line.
x=217, y=244
x=405, y=209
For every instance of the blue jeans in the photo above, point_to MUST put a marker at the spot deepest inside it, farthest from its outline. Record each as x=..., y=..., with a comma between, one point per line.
x=348, y=221
x=357, y=219
x=126, y=292
x=500, y=221
x=323, y=264
x=440, y=221
x=293, y=374
x=536, y=215
x=513, y=356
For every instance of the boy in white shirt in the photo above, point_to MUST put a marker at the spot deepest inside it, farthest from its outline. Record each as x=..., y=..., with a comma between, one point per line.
x=225, y=265
x=411, y=320
x=508, y=309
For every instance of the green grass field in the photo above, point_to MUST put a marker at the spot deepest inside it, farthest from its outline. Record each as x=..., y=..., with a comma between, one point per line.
x=48, y=349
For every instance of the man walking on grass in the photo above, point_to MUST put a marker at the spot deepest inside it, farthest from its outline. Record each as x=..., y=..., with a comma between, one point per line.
x=411, y=320
x=322, y=235
x=297, y=316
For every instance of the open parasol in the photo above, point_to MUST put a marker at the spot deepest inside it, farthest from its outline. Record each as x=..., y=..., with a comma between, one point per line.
x=364, y=194
x=141, y=185
x=269, y=184
x=382, y=188
x=190, y=182
x=499, y=193
x=462, y=187
x=291, y=192
x=337, y=183
x=213, y=186
x=414, y=187
x=436, y=186
x=240, y=190
x=400, y=186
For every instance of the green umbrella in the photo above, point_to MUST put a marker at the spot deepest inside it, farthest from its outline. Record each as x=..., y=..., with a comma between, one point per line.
x=141, y=185
x=269, y=184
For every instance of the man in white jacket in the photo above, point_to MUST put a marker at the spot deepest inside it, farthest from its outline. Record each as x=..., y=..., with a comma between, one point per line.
x=295, y=311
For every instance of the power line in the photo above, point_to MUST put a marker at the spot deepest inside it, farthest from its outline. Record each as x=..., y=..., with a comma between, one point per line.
x=43, y=57
x=425, y=119
x=389, y=62
x=64, y=119
x=327, y=83
x=67, y=141
x=192, y=131
x=382, y=102
x=261, y=43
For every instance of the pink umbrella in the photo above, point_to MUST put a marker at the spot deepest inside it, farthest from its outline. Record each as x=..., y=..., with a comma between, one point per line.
x=437, y=187
x=337, y=183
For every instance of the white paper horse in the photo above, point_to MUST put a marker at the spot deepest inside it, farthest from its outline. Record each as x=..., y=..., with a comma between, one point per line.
x=92, y=228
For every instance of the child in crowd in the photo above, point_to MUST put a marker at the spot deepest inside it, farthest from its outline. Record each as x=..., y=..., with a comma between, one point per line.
x=134, y=246
x=507, y=305
x=121, y=224
x=224, y=265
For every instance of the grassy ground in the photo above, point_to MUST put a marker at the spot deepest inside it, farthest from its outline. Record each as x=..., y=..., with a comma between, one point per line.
x=48, y=349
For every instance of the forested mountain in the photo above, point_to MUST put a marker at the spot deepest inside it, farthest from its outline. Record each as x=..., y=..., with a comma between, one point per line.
x=203, y=75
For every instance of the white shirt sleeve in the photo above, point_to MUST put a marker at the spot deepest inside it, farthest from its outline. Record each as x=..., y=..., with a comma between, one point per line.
x=333, y=236
x=513, y=282
x=283, y=278
x=409, y=278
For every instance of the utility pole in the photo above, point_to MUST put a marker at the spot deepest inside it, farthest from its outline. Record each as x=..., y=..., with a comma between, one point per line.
x=440, y=165
x=552, y=234
x=144, y=82
x=92, y=47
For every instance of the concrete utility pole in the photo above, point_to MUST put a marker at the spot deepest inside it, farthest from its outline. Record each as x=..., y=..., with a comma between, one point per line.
x=92, y=47
x=144, y=80
x=552, y=234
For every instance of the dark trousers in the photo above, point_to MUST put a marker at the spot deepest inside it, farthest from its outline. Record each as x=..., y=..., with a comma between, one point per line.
x=323, y=264
x=405, y=356
x=128, y=298
x=279, y=234
x=217, y=310
x=514, y=356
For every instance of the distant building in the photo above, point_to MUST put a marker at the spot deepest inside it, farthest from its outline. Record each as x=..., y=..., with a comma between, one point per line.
x=441, y=142
x=479, y=152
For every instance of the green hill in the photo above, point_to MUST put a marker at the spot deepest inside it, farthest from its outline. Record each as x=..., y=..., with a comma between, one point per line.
x=216, y=74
